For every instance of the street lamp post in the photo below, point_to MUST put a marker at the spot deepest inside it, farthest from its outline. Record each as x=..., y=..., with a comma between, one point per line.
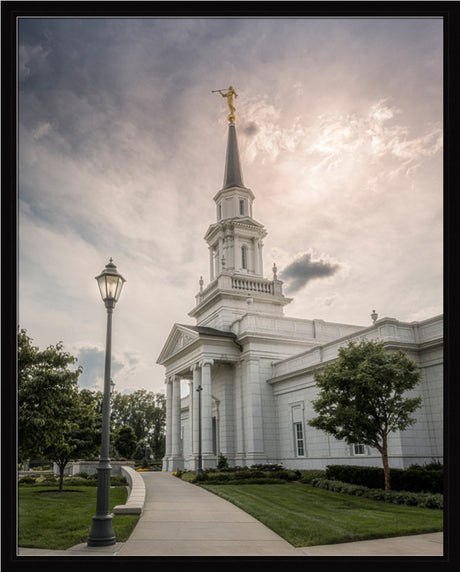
x=200, y=456
x=110, y=283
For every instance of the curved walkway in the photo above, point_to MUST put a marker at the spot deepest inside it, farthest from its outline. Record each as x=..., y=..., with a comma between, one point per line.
x=181, y=519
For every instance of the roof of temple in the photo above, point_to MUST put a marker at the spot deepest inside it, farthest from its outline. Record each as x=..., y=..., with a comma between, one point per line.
x=209, y=331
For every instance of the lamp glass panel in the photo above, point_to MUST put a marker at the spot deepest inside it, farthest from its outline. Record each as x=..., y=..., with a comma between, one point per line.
x=102, y=288
x=112, y=284
x=119, y=287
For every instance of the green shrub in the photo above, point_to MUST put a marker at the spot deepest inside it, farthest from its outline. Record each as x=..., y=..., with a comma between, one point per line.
x=428, y=478
x=222, y=463
x=79, y=482
x=423, y=500
x=27, y=480
x=308, y=476
x=411, y=499
x=47, y=479
x=81, y=475
x=118, y=481
x=267, y=467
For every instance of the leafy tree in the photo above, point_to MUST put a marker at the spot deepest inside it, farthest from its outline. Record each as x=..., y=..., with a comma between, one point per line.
x=78, y=438
x=47, y=391
x=145, y=412
x=125, y=441
x=361, y=396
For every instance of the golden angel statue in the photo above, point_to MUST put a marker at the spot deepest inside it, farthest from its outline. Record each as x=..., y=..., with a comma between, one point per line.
x=229, y=95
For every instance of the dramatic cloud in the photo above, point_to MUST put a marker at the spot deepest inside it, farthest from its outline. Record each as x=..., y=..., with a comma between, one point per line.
x=122, y=149
x=304, y=269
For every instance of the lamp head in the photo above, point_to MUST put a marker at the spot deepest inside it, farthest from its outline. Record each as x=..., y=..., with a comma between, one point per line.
x=110, y=283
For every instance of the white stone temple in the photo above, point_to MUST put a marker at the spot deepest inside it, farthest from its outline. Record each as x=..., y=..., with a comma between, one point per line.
x=254, y=367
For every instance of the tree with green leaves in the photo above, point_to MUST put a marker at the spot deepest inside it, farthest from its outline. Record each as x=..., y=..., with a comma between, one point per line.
x=362, y=396
x=47, y=390
x=145, y=412
x=125, y=441
x=78, y=438
x=54, y=420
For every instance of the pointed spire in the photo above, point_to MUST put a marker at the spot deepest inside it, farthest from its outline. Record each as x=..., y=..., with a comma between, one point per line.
x=233, y=175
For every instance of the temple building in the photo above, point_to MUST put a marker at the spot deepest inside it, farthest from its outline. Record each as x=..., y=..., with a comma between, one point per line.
x=250, y=368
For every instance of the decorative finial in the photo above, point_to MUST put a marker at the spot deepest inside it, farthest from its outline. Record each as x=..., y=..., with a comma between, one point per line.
x=374, y=316
x=275, y=270
x=201, y=283
x=229, y=95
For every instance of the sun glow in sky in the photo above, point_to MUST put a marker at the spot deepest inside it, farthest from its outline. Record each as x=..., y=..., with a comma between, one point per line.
x=122, y=149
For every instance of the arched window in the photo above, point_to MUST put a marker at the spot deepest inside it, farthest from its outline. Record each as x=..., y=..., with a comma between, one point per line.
x=244, y=257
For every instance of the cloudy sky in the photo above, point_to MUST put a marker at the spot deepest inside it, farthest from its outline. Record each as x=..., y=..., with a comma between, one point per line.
x=122, y=148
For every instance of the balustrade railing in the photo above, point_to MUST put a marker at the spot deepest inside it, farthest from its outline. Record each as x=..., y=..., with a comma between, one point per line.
x=253, y=285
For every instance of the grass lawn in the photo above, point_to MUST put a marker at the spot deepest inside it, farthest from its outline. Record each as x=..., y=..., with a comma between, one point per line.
x=54, y=520
x=307, y=516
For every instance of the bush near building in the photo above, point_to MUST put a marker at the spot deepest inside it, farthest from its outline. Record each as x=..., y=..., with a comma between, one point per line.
x=426, y=478
x=256, y=474
x=422, y=500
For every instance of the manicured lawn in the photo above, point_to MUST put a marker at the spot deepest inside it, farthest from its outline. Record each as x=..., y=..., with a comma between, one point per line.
x=307, y=516
x=49, y=519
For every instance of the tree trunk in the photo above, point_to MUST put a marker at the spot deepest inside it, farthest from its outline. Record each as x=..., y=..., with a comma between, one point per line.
x=386, y=466
x=61, y=476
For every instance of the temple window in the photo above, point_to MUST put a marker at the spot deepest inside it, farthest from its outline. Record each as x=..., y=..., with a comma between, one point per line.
x=244, y=257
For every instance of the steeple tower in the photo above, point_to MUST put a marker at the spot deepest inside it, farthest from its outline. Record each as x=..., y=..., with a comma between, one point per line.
x=235, y=242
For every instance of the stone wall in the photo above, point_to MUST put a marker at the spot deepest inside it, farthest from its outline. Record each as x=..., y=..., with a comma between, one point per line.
x=90, y=467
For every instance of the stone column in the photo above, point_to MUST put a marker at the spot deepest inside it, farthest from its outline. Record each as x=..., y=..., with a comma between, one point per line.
x=176, y=444
x=206, y=410
x=196, y=369
x=253, y=419
x=168, y=445
x=190, y=417
x=211, y=264
x=239, y=415
x=261, y=264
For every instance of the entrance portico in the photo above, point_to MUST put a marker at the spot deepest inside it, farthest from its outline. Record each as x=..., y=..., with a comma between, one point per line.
x=196, y=355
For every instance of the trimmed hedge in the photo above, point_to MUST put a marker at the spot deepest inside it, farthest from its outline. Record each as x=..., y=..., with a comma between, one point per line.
x=245, y=476
x=423, y=500
x=115, y=481
x=307, y=476
x=414, y=479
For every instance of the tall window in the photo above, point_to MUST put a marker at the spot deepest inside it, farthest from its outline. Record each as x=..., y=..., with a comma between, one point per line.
x=219, y=212
x=244, y=257
x=298, y=440
x=358, y=449
x=241, y=207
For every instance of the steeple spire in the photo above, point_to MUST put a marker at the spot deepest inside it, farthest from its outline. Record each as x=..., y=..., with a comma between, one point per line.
x=233, y=176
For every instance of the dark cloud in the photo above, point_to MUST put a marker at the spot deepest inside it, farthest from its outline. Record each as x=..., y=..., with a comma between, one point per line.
x=250, y=128
x=92, y=359
x=303, y=269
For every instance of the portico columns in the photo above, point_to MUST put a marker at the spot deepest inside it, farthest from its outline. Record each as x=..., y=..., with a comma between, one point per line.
x=176, y=453
x=206, y=410
x=195, y=413
x=168, y=444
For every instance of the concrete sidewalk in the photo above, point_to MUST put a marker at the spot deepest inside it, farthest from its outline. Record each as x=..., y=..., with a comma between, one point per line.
x=181, y=519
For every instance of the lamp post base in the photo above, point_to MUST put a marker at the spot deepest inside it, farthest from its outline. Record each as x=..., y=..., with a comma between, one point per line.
x=102, y=533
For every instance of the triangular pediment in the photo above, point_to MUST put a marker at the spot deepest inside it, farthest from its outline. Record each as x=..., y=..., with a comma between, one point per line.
x=179, y=338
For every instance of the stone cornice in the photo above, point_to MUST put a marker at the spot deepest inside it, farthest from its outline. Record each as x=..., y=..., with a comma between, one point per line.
x=237, y=223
